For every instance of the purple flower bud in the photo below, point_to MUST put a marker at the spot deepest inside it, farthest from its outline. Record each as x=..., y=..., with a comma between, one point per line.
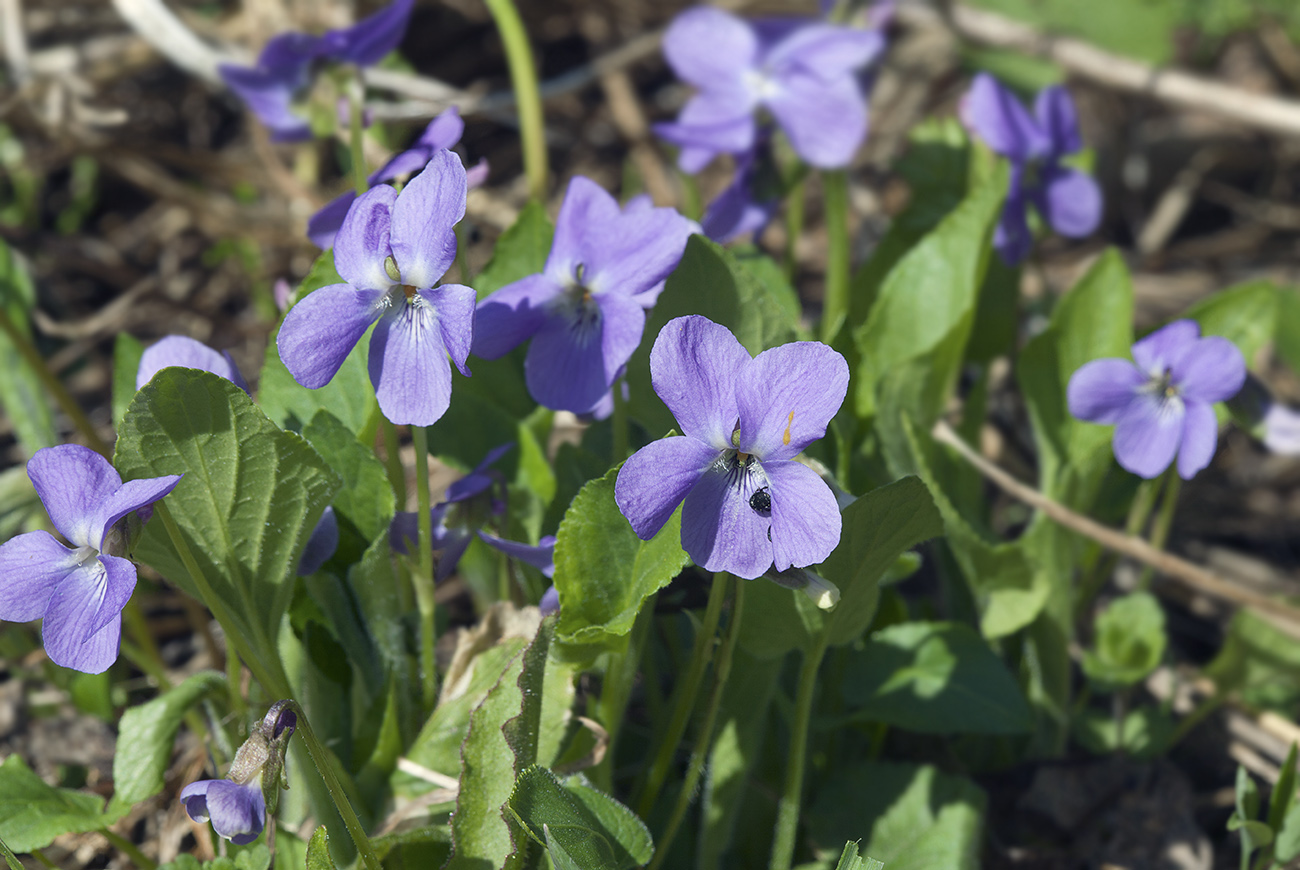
x=179, y=350
x=79, y=592
x=322, y=543
x=1161, y=403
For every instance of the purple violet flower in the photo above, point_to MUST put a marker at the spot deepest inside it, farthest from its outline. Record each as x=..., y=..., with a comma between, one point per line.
x=466, y=504
x=586, y=311
x=392, y=249
x=1069, y=200
x=286, y=65
x=79, y=592
x=1162, y=403
x=238, y=804
x=748, y=503
x=443, y=131
x=185, y=352
x=806, y=76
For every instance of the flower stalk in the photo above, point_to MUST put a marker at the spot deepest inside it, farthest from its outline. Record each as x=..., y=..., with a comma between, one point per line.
x=528, y=95
x=422, y=578
x=835, y=307
x=787, y=812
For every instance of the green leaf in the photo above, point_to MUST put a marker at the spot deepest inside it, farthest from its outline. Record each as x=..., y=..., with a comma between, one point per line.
x=250, y=496
x=1093, y=321
x=254, y=857
x=1260, y=662
x=603, y=571
x=487, y=774
x=365, y=496
x=934, y=678
x=521, y=251
x=1283, y=796
x=127, y=351
x=1246, y=315
x=710, y=281
x=10, y=858
x=560, y=858
x=33, y=813
x=348, y=396
x=1130, y=642
x=1144, y=734
x=877, y=529
x=596, y=831
x=851, y=860
x=926, y=304
x=318, y=850
x=1287, y=846
x=1144, y=31
x=145, y=738
x=1288, y=326
x=908, y=816
x=22, y=395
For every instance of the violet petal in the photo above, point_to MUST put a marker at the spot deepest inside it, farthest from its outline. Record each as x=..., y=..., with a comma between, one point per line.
x=1054, y=111
x=424, y=220
x=1200, y=437
x=1100, y=391
x=366, y=42
x=454, y=304
x=363, y=242
x=32, y=566
x=1070, y=200
x=720, y=531
x=321, y=544
x=69, y=631
x=1163, y=349
x=1212, y=371
x=320, y=331
x=183, y=351
x=994, y=114
x=1148, y=434
x=565, y=366
x=130, y=496
x=408, y=364
x=510, y=316
x=705, y=45
x=694, y=367
x=787, y=396
x=805, y=516
x=238, y=812
x=73, y=482
x=656, y=478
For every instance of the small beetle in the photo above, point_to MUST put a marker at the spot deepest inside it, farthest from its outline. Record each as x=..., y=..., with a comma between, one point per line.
x=761, y=501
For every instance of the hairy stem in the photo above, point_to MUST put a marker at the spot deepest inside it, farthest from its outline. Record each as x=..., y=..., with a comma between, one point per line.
x=422, y=577
x=835, y=306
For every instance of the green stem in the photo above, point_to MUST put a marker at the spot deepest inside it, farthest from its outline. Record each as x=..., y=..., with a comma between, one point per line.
x=1164, y=521
x=147, y=658
x=422, y=577
x=620, y=424
x=393, y=461
x=787, y=813
x=270, y=674
x=126, y=847
x=356, y=135
x=370, y=428
x=794, y=211
x=684, y=697
x=40, y=856
x=704, y=742
x=528, y=96
x=321, y=759
x=835, y=306
x=52, y=384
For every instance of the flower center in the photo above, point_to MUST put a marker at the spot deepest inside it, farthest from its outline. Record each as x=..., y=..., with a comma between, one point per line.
x=1162, y=386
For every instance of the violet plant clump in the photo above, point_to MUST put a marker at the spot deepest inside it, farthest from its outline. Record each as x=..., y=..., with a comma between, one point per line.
x=1161, y=403
x=747, y=505
x=288, y=63
x=78, y=593
x=1067, y=198
x=392, y=250
x=586, y=311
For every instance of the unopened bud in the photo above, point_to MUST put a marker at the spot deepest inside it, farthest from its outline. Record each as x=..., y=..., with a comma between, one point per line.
x=823, y=592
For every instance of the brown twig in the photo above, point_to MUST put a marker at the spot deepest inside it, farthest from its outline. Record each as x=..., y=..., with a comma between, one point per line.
x=1284, y=616
x=1088, y=61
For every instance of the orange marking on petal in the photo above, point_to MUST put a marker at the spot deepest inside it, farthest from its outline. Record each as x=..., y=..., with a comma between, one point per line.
x=789, y=421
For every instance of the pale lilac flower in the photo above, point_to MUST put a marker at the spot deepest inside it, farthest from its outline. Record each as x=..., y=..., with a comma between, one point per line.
x=803, y=73
x=748, y=503
x=1282, y=430
x=79, y=592
x=586, y=311
x=1069, y=200
x=185, y=352
x=286, y=66
x=443, y=131
x=238, y=804
x=392, y=250
x=1162, y=403
x=467, y=504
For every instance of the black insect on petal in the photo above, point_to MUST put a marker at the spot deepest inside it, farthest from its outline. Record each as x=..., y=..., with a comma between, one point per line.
x=761, y=501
